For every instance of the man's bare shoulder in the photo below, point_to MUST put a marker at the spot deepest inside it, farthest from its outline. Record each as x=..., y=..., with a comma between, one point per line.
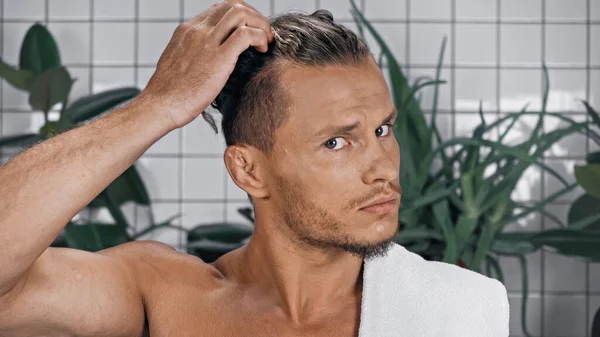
x=154, y=262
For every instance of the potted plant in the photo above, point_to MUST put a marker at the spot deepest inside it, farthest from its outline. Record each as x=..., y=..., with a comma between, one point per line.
x=458, y=213
x=48, y=83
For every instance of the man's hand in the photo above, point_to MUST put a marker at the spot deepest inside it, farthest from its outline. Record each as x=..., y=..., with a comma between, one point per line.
x=201, y=56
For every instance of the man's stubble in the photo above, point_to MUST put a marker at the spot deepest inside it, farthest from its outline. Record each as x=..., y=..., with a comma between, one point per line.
x=313, y=226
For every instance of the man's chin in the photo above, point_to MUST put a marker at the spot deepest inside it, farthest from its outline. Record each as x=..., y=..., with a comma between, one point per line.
x=369, y=250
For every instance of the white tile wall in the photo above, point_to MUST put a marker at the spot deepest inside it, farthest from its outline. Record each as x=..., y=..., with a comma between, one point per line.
x=192, y=8
x=476, y=9
x=445, y=90
x=68, y=10
x=560, y=10
x=534, y=315
x=114, y=9
x=568, y=90
x=519, y=87
x=24, y=9
x=110, y=43
x=233, y=215
x=81, y=87
x=297, y=5
x=159, y=9
x=516, y=47
x=468, y=96
x=565, y=45
x=519, y=10
x=430, y=9
x=204, y=178
x=105, y=78
x=161, y=176
x=475, y=43
x=13, y=34
x=152, y=39
x=74, y=39
x=564, y=315
x=382, y=9
x=426, y=41
x=120, y=37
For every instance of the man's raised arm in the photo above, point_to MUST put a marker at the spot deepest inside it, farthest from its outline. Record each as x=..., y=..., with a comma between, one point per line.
x=44, y=187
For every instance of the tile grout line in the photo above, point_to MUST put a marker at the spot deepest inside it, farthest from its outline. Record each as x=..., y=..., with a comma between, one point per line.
x=407, y=42
x=1, y=84
x=180, y=153
x=587, y=151
x=571, y=113
x=498, y=59
x=484, y=66
x=91, y=60
x=91, y=57
x=343, y=20
x=136, y=31
x=453, y=68
x=542, y=188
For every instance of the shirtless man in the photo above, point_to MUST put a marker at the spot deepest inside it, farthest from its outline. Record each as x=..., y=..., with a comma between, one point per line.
x=307, y=118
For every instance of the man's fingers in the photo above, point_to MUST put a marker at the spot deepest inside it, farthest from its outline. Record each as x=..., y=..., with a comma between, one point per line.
x=238, y=16
x=244, y=37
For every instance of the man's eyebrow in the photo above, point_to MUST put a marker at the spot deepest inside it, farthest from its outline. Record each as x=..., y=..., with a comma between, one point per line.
x=346, y=129
x=391, y=116
x=338, y=130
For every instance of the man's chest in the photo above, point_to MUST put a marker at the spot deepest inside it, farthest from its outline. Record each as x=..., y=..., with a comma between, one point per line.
x=202, y=314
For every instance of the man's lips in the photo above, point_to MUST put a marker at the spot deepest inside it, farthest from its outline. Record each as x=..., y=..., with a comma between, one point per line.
x=382, y=205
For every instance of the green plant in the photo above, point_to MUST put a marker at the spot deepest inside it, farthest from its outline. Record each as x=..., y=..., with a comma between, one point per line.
x=596, y=325
x=588, y=177
x=48, y=83
x=458, y=213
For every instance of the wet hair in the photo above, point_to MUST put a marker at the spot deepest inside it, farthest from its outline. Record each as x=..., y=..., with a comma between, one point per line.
x=253, y=103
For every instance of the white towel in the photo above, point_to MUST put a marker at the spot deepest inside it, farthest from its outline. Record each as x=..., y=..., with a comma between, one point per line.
x=405, y=295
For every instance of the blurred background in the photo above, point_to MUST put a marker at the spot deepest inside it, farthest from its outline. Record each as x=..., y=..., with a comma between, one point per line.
x=493, y=65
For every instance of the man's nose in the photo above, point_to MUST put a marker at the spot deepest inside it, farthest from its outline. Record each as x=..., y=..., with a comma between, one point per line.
x=381, y=165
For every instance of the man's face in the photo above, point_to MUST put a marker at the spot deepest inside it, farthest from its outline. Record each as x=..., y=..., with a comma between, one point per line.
x=334, y=155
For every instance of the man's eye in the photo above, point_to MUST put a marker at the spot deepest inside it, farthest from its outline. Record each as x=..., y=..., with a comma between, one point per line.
x=383, y=130
x=335, y=143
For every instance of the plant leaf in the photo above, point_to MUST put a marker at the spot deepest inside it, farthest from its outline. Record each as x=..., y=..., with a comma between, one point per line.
x=94, y=236
x=588, y=177
x=91, y=106
x=493, y=263
x=408, y=235
x=39, y=51
x=127, y=187
x=20, y=140
x=18, y=78
x=511, y=243
x=571, y=242
x=593, y=158
x=49, y=88
x=210, y=251
x=220, y=232
x=584, y=207
x=592, y=113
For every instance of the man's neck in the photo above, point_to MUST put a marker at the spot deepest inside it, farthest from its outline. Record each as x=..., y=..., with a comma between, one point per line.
x=308, y=284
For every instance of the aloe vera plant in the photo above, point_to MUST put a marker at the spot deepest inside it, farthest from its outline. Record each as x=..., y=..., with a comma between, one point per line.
x=458, y=213
x=48, y=83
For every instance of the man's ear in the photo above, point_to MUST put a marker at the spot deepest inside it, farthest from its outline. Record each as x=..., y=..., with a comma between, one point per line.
x=244, y=166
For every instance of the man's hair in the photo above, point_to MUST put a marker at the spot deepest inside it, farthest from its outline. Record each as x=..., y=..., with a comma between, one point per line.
x=253, y=103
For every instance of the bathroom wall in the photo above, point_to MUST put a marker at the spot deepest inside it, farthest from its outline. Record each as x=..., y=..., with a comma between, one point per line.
x=494, y=55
